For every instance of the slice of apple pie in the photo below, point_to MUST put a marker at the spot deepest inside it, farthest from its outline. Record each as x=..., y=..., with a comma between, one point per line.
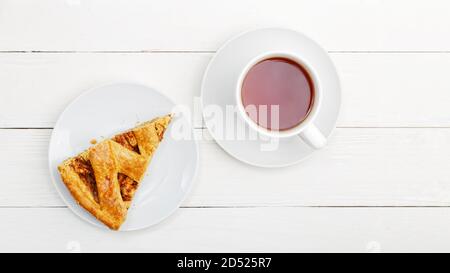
x=104, y=178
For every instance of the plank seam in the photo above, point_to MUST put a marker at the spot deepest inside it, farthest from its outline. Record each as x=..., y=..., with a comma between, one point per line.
x=156, y=51
x=204, y=128
x=241, y=207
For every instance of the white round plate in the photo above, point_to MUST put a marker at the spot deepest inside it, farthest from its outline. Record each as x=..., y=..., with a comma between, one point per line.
x=220, y=81
x=101, y=113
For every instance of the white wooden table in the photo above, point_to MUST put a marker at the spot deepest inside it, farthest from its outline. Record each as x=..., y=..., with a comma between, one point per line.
x=382, y=184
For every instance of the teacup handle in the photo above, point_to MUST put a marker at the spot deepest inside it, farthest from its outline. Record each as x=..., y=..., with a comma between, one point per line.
x=313, y=137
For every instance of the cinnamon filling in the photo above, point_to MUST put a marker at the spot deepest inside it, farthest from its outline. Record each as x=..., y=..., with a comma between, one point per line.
x=127, y=140
x=127, y=186
x=84, y=170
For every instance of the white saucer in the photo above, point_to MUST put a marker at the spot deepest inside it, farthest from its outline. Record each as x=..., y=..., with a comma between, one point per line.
x=107, y=110
x=220, y=81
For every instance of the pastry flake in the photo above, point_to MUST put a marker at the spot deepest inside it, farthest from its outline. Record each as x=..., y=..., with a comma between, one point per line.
x=104, y=178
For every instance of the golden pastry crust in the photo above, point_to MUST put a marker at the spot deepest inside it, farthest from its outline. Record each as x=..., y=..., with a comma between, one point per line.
x=104, y=179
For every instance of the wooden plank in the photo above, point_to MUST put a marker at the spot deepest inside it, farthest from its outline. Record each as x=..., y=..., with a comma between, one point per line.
x=360, y=167
x=379, y=90
x=42, y=85
x=236, y=230
x=348, y=25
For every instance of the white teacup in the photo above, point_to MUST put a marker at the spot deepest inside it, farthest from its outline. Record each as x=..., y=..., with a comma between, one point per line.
x=306, y=128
